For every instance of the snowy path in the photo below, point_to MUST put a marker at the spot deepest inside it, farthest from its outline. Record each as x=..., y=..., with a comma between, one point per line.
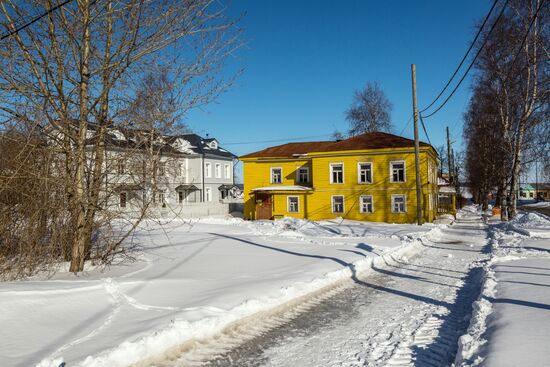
x=407, y=313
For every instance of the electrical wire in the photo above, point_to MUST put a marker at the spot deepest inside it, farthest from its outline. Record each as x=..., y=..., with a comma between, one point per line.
x=465, y=56
x=34, y=20
x=424, y=128
x=278, y=140
x=472, y=63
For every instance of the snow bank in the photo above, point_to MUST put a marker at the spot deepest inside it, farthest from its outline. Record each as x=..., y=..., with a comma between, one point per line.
x=531, y=224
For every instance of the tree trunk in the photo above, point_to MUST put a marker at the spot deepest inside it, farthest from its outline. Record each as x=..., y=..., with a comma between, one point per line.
x=82, y=233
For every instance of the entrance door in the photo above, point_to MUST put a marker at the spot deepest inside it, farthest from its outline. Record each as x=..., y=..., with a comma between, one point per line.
x=263, y=206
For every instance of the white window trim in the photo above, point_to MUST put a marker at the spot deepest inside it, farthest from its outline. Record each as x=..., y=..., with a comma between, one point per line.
x=331, y=175
x=298, y=174
x=404, y=202
x=216, y=166
x=332, y=204
x=227, y=170
x=288, y=204
x=359, y=173
x=208, y=194
x=208, y=170
x=361, y=204
x=404, y=171
x=271, y=175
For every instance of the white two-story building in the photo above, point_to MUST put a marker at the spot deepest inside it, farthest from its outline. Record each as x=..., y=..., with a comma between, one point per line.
x=175, y=176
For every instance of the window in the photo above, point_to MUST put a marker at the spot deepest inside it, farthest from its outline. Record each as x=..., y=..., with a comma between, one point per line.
x=162, y=168
x=302, y=175
x=158, y=197
x=218, y=170
x=208, y=169
x=208, y=194
x=398, y=203
x=364, y=172
x=122, y=201
x=227, y=169
x=338, y=204
x=365, y=204
x=397, y=171
x=336, y=173
x=276, y=175
x=120, y=166
x=293, y=204
x=181, y=196
x=179, y=170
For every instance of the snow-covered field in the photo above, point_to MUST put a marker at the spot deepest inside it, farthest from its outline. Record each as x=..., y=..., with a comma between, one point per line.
x=511, y=322
x=192, y=279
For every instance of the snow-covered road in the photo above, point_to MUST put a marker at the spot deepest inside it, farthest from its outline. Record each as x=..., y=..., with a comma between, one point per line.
x=405, y=313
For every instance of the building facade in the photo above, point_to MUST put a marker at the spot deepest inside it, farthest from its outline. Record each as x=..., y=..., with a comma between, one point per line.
x=177, y=176
x=369, y=177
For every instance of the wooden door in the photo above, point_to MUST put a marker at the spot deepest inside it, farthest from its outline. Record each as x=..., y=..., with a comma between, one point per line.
x=264, y=206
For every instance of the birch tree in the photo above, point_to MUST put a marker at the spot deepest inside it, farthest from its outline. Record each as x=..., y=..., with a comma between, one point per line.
x=370, y=110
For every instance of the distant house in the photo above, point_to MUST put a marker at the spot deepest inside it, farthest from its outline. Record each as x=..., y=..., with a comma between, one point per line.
x=368, y=177
x=173, y=175
x=526, y=192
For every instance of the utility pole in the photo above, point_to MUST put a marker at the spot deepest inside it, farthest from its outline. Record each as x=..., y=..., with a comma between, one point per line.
x=449, y=156
x=416, y=149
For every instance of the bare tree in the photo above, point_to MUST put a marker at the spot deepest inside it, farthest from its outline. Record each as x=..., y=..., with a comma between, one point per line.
x=370, y=110
x=513, y=69
x=73, y=75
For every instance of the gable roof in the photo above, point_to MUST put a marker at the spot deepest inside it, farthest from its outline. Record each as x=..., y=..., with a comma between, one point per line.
x=201, y=145
x=373, y=140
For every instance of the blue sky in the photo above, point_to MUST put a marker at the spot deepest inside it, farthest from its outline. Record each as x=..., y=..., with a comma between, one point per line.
x=302, y=61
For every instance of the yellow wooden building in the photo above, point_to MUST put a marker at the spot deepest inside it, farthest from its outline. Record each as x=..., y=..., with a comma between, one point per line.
x=368, y=177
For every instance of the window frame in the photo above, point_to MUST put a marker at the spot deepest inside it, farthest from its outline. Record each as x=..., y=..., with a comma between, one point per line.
x=361, y=204
x=218, y=170
x=298, y=174
x=332, y=206
x=297, y=204
x=331, y=171
x=227, y=170
x=359, y=173
x=271, y=175
x=207, y=170
x=404, y=171
x=208, y=194
x=393, y=196
x=122, y=203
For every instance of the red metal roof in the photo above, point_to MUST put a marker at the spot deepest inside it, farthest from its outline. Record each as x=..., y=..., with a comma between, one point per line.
x=374, y=140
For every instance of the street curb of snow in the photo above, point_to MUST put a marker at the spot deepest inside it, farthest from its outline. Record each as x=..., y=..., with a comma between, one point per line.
x=182, y=334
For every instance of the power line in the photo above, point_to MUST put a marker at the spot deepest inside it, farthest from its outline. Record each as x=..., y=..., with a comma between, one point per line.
x=465, y=56
x=424, y=128
x=472, y=63
x=34, y=20
x=278, y=140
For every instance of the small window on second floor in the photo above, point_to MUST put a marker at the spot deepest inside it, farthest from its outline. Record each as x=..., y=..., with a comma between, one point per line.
x=162, y=168
x=336, y=173
x=276, y=175
x=227, y=169
x=208, y=169
x=121, y=166
x=397, y=171
x=364, y=172
x=218, y=170
x=302, y=175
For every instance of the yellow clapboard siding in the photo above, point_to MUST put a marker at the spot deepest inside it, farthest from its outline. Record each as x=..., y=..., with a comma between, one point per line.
x=317, y=203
